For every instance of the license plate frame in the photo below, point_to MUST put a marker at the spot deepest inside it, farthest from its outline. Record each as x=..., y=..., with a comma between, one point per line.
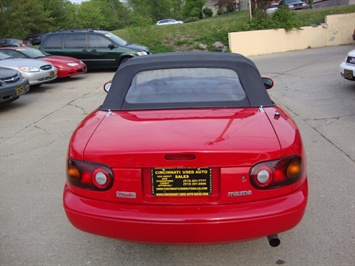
x=181, y=182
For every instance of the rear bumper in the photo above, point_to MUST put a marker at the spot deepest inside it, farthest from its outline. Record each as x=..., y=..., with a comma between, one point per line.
x=186, y=224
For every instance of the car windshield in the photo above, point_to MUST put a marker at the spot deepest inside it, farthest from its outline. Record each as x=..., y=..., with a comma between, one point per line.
x=116, y=39
x=184, y=85
x=33, y=53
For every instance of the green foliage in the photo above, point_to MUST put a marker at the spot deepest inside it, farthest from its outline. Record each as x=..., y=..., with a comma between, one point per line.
x=283, y=17
x=114, y=14
x=157, y=9
x=139, y=21
x=188, y=37
x=196, y=12
x=180, y=42
x=207, y=12
x=90, y=15
x=286, y=19
x=230, y=8
x=191, y=19
x=193, y=8
x=23, y=17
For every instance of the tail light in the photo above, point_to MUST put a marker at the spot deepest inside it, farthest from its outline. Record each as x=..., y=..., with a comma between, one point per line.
x=89, y=175
x=277, y=173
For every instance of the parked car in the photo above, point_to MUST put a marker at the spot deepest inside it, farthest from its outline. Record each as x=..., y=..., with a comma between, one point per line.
x=294, y=4
x=169, y=21
x=12, y=85
x=272, y=8
x=9, y=42
x=347, y=67
x=66, y=66
x=96, y=48
x=36, y=71
x=187, y=148
x=35, y=39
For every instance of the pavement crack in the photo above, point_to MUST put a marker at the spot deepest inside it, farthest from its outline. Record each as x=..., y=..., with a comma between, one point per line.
x=316, y=129
x=79, y=107
x=33, y=124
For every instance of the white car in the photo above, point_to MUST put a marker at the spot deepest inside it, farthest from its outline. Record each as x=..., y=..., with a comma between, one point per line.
x=36, y=71
x=169, y=21
x=347, y=68
x=271, y=9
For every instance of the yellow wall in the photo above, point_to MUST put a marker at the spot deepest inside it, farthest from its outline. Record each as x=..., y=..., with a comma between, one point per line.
x=337, y=30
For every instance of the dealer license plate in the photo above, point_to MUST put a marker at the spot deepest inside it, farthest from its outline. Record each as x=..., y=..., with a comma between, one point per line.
x=19, y=90
x=181, y=181
x=348, y=74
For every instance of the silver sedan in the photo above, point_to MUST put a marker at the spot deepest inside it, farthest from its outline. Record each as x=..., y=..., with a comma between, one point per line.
x=169, y=21
x=36, y=71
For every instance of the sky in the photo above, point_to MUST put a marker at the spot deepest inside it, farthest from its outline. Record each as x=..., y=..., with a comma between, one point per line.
x=76, y=1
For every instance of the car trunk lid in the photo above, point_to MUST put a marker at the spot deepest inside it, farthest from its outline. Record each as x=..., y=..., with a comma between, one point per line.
x=204, y=153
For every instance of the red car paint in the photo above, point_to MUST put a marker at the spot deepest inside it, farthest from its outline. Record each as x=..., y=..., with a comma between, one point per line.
x=138, y=150
x=234, y=136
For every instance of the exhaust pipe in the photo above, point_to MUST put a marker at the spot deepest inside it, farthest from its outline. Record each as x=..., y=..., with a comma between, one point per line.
x=274, y=240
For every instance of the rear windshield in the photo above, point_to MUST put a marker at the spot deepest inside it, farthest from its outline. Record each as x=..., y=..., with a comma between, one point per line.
x=183, y=85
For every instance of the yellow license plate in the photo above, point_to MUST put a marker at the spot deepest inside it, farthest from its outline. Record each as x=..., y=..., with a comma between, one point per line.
x=19, y=90
x=348, y=74
x=51, y=73
x=181, y=181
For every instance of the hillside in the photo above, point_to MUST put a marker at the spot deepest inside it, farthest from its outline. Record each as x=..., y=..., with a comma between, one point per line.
x=189, y=36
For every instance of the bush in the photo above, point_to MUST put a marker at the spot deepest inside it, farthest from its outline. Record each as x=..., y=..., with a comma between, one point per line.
x=286, y=19
x=196, y=12
x=191, y=19
x=282, y=18
x=208, y=12
x=230, y=8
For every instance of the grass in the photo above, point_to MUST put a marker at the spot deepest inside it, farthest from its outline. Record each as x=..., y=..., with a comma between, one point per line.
x=188, y=36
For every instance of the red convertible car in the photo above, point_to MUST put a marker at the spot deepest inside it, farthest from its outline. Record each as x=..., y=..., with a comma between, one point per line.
x=66, y=66
x=187, y=148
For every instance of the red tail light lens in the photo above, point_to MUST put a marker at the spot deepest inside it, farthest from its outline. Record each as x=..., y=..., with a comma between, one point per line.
x=277, y=173
x=89, y=175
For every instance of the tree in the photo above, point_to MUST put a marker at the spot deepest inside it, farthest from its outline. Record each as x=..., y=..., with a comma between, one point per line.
x=156, y=9
x=90, y=15
x=193, y=8
x=115, y=14
x=22, y=17
x=63, y=12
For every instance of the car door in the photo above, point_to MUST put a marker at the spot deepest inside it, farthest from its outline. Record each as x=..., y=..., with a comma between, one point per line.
x=75, y=45
x=101, y=55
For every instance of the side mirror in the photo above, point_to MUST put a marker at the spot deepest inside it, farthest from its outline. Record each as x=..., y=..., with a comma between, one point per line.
x=107, y=86
x=268, y=83
x=111, y=46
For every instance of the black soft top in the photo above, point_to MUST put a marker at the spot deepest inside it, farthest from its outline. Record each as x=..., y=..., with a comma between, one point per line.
x=249, y=77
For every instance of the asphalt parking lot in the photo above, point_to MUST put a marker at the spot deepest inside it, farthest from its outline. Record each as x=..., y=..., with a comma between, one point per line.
x=35, y=131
